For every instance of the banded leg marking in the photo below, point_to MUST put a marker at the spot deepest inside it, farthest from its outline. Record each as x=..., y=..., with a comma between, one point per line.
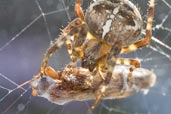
x=78, y=9
x=133, y=63
x=147, y=39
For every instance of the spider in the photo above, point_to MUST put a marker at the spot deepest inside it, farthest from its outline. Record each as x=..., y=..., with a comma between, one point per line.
x=108, y=28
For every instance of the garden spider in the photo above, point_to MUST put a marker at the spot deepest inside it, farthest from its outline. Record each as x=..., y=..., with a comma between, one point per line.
x=109, y=28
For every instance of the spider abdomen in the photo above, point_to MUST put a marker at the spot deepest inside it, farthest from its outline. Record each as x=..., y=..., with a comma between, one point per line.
x=113, y=21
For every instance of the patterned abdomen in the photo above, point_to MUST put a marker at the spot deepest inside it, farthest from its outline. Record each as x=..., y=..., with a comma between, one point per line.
x=114, y=21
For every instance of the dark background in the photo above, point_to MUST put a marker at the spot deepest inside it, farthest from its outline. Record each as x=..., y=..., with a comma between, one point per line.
x=25, y=35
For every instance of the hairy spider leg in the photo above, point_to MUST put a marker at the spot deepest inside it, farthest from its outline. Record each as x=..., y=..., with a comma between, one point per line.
x=133, y=65
x=147, y=39
x=78, y=9
x=83, y=32
x=68, y=42
x=127, y=61
x=49, y=71
x=69, y=32
x=108, y=70
x=57, y=75
x=73, y=58
x=75, y=44
x=140, y=43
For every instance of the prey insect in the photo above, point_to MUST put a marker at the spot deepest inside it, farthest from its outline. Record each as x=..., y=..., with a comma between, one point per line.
x=62, y=87
x=108, y=28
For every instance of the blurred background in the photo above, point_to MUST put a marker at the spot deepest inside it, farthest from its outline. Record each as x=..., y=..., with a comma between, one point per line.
x=28, y=27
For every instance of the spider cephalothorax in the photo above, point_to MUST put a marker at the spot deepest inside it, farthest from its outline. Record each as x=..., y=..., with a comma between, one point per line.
x=114, y=20
x=109, y=28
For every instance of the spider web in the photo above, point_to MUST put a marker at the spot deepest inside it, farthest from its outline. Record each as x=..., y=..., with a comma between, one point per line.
x=27, y=29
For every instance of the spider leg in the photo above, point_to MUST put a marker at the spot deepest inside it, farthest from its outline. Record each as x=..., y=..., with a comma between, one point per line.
x=147, y=39
x=68, y=42
x=108, y=70
x=70, y=52
x=78, y=9
x=49, y=71
x=75, y=44
x=101, y=93
x=134, y=64
x=68, y=32
x=51, y=50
